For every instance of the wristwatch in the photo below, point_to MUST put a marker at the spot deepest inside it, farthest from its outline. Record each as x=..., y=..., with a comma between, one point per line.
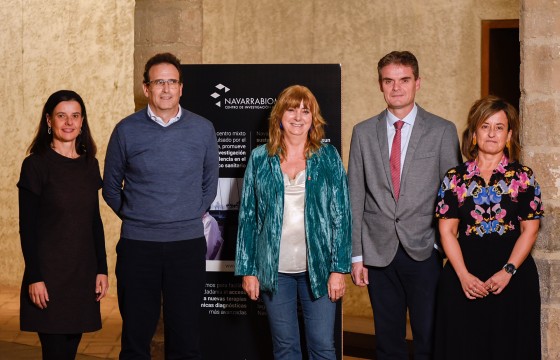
x=510, y=268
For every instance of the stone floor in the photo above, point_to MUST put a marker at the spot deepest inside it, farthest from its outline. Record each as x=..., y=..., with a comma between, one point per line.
x=103, y=344
x=16, y=344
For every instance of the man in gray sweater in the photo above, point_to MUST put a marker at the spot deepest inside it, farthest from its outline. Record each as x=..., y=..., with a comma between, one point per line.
x=161, y=175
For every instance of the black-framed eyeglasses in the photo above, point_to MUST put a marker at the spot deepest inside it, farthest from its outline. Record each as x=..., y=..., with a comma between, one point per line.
x=160, y=83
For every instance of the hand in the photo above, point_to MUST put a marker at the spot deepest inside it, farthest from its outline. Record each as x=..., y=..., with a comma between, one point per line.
x=473, y=287
x=497, y=283
x=38, y=294
x=360, y=274
x=101, y=286
x=336, y=286
x=251, y=286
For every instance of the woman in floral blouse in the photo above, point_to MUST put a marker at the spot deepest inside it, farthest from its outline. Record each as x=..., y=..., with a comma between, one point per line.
x=489, y=210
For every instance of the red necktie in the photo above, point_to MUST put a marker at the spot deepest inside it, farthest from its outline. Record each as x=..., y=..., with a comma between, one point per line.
x=395, y=159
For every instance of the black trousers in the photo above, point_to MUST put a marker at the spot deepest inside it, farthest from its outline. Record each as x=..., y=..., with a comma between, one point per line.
x=59, y=346
x=146, y=272
x=404, y=284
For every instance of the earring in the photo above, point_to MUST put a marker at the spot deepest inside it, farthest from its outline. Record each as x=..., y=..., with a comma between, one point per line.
x=474, y=141
x=508, y=146
x=80, y=131
x=281, y=127
x=49, y=130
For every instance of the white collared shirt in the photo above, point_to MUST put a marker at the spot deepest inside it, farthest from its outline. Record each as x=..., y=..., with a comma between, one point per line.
x=160, y=121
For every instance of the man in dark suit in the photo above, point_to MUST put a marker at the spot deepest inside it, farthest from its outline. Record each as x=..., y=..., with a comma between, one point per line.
x=397, y=161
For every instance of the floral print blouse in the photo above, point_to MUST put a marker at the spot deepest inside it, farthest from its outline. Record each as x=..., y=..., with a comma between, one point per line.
x=512, y=195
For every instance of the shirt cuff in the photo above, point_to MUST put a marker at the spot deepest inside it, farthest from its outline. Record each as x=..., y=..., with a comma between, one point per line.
x=356, y=259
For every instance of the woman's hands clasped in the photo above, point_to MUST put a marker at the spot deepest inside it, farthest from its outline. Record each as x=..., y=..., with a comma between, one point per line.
x=497, y=283
x=474, y=288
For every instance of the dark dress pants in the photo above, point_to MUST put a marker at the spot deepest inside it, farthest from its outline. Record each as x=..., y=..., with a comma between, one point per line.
x=146, y=272
x=404, y=283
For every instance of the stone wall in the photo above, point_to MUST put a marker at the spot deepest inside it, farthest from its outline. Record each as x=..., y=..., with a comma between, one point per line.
x=83, y=45
x=165, y=26
x=540, y=110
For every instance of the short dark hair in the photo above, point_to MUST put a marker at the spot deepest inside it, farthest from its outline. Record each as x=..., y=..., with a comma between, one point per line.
x=42, y=141
x=405, y=58
x=481, y=110
x=162, y=58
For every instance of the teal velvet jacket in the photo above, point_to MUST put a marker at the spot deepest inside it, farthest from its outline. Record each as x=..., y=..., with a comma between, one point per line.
x=327, y=219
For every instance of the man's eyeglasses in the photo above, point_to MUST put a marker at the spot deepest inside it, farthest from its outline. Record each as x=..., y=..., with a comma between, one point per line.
x=160, y=83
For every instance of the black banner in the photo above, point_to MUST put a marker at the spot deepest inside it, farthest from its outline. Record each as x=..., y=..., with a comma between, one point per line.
x=238, y=100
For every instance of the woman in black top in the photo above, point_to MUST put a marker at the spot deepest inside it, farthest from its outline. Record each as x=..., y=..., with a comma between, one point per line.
x=61, y=230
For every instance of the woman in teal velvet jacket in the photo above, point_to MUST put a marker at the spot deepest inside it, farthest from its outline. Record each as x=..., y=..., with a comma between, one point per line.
x=294, y=236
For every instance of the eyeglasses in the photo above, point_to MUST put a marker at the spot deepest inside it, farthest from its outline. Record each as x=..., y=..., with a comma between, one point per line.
x=160, y=83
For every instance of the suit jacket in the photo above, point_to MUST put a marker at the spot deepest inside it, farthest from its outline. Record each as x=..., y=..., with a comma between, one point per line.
x=380, y=222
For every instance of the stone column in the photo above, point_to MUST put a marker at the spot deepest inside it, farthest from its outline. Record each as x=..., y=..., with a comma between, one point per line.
x=173, y=26
x=540, y=111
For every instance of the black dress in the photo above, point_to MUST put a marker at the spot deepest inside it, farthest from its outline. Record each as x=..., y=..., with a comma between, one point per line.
x=62, y=242
x=504, y=326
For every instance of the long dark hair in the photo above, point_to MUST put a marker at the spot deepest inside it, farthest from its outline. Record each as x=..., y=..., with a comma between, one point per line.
x=42, y=141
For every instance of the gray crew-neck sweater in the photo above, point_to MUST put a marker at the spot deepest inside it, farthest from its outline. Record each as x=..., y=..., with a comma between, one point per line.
x=161, y=180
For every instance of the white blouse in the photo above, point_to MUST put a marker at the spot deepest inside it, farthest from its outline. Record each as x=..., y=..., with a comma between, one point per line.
x=293, y=248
